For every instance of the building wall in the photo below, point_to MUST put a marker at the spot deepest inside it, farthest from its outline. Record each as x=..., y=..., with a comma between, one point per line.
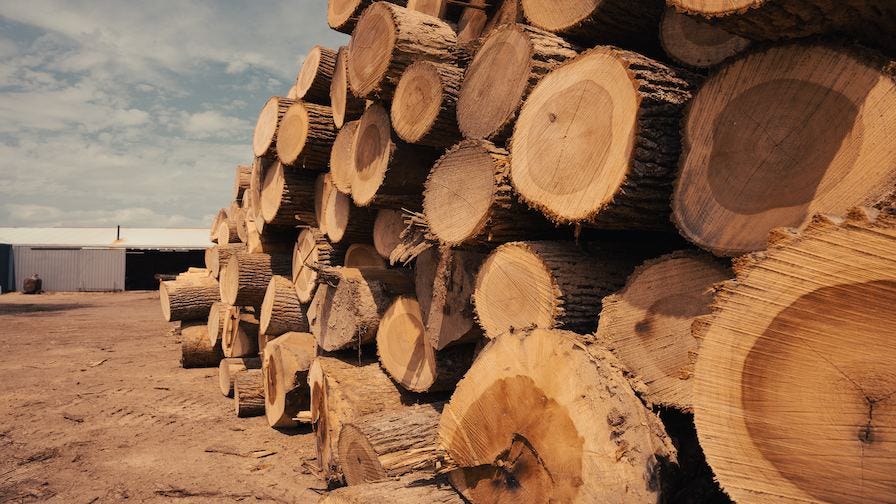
x=71, y=269
x=6, y=280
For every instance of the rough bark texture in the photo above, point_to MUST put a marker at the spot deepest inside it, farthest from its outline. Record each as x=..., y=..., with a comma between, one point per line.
x=346, y=106
x=445, y=280
x=196, y=349
x=241, y=181
x=317, y=89
x=247, y=276
x=281, y=311
x=407, y=491
x=240, y=338
x=391, y=443
x=229, y=367
x=313, y=251
x=620, y=22
x=320, y=134
x=248, y=393
x=442, y=131
x=217, y=257
x=266, y=145
x=296, y=199
x=348, y=24
x=188, y=299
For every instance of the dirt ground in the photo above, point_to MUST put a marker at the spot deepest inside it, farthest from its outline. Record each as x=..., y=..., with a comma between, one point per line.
x=95, y=408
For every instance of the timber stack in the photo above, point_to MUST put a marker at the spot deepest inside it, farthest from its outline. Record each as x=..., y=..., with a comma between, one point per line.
x=609, y=251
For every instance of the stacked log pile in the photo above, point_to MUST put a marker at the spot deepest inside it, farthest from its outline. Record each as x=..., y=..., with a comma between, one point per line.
x=603, y=251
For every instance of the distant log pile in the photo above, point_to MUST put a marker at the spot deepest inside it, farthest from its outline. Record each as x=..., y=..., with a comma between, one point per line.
x=580, y=251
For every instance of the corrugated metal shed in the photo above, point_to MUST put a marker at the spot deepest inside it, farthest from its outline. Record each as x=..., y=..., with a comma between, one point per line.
x=71, y=268
x=6, y=280
x=130, y=238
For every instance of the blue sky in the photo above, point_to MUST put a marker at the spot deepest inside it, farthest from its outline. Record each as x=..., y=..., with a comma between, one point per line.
x=137, y=113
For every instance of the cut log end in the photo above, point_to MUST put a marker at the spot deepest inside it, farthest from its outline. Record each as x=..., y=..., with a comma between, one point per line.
x=313, y=81
x=265, y=136
x=387, y=230
x=363, y=255
x=346, y=106
x=423, y=109
x=229, y=367
x=695, y=43
x=401, y=341
x=342, y=169
x=287, y=360
x=281, y=311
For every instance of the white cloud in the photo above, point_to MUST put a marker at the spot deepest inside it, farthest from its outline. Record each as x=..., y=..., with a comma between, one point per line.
x=212, y=123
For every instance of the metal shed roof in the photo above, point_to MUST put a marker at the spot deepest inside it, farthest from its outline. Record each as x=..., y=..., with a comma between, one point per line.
x=131, y=238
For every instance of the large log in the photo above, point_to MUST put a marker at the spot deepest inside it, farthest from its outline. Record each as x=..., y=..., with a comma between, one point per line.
x=405, y=491
x=350, y=311
x=287, y=360
x=342, y=167
x=345, y=105
x=386, y=40
x=391, y=444
x=626, y=23
x=246, y=278
x=313, y=81
x=387, y=171
x=647, y=324
x=264, y=141
x=424, y=109
x=195, y=347
x=240, y=336
x=241, y=181
x=547, y=285
x=693, y=42
x=215, y=323
x=401, y=344
x=542, y=417
x=216, y=257
x=287, y=197
x=387, y=228
x=468, y=199
x=281, y=310
x=342, y=15
x=598, y=140
x=306, y=136
x=444, y=280
x=347, y=223
x=229, y=367
x=313, y=251
x=188, y=299
x=811, y=144
x=248, y=393
x=812, y=313
x=342, y=391
x=508, y=65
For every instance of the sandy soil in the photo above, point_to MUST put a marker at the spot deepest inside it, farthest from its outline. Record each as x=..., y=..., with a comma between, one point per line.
x=94, y=407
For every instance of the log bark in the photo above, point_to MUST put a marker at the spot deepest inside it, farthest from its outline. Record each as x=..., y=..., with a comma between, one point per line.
x=195, y=348
x=542, y=417
x=387, y=171
x=217, y=257
x=401, y=344
x=347, y=223
x=342, y=391
x=229, y=367
x=797, y=155
x=287, y=360
x=245, y=280
x=468, y=199
x=814, y=311
x=391, y=444
x=213, y=230
x=615, y=22
x=256, y=180
x=472, y=23
x=228, y=231
x=424, y=109
x=281, y=311
x=694, y=43
x=346, y=106
x=647, y=324
x=241, y=181
x=313, y=81
x=504, y=71
x=632, y=109
x=407, y=491
x=445, y=280
x=363, y=255
x=313, y=251
x=264, y=140
x=306, y=136
x=387, y=230
x=287, y=197
x=323, y=188
x=550, y=285
x=188, y=299
x=342, y=167
x=342, y=15
x=248, y=393
x=387, y=39
x=240, y=338
x=349, y=312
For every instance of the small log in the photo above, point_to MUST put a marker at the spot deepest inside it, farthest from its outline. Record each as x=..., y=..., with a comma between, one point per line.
x=215, y=324
x=264, y=141
x=616, y=22
x=345, y=105
x=313, y=81
x=445, y=280
x=281, y=311
x=387, y=171
x=195, y=348
x=472, y=23
x=248, y=393
x=342, y=15
x=323, y=188
x=240, y=337
x=812, y=312
x=287, y=360
x=256, y=179
x=468, y=199
x=216, y=257
x=227, y=232
x=391, y=443
x=387, y=230
x=424, y=109
x=313, y=251
x=342, y=168
x=387, y=39
x=406, y=491
x=401, y=344
x=547, y=285
x=246, y=278
x=504, y=71
x=229, y=367
x=797, y=155
x=188, y=299
x=347, y=223
x=544, y=414
x=306, y=136
x=241, y=181
x=647, y=324
x=363, y=255
x=342, y=391
x=288, y=195
x=213, y=230
x=694, y=43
